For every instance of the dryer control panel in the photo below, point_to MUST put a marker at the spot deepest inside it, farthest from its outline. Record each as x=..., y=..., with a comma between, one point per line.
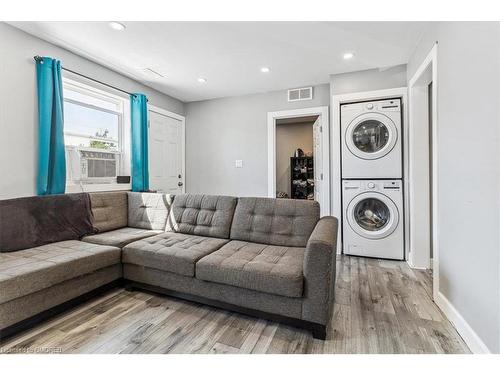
x=374, y=185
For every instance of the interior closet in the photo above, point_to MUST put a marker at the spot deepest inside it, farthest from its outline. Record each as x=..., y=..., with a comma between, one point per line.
x=295, y=158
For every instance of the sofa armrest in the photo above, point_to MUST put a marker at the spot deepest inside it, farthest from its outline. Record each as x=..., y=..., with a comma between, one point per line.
x=319, y=271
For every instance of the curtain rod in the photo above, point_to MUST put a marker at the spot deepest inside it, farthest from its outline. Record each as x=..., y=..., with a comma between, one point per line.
x=39, y=58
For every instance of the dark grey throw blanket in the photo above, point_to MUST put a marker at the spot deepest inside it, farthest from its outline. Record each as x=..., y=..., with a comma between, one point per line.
x=35, y=221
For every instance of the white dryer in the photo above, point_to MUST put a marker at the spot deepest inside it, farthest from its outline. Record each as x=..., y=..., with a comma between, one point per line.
x=373, y=218
x=371, y=139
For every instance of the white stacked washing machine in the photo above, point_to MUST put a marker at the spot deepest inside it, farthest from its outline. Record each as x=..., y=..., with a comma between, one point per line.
x=372, y=185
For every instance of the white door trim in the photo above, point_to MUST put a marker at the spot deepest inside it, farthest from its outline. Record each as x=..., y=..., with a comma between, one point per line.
x=271, y=148
x=182, y=119
x=335, y=151
x=430, y=60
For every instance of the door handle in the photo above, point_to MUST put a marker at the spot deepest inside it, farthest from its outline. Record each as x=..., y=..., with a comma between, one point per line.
x=180, y=183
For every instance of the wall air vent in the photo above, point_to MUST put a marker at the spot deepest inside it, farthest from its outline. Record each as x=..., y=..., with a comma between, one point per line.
x=303, y=93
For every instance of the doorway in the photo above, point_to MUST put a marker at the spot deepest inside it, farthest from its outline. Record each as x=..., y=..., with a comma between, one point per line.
x=423, y=245
x=298, y=155
x=295, y=172
x=166, y=151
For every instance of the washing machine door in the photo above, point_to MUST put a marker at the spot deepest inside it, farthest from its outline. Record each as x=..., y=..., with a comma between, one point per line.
x=371, y=136
x=372, y=215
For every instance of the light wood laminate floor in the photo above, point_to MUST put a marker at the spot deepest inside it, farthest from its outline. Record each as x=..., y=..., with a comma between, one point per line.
x=380, y=307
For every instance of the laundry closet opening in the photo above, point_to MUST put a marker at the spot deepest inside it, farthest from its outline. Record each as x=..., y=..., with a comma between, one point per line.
x=295, y=172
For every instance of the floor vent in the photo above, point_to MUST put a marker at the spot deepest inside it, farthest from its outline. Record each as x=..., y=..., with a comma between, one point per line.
x=303, y=93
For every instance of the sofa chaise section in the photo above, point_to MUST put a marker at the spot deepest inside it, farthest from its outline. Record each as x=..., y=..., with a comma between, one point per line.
x=38, y=278
x=24, y=312
x=27, y=271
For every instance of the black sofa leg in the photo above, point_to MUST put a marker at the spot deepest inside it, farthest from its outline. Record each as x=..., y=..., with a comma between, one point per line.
x=319, y=332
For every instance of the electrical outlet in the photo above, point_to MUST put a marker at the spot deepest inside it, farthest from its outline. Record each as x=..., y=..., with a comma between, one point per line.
x=238, y=163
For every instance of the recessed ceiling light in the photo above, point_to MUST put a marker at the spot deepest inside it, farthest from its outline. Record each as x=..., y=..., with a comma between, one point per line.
x=264, y=69
x=202, y=80
x=348, y=55
x=117, y=26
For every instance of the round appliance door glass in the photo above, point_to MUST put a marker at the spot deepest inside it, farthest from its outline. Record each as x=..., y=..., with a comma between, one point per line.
x=371, y=136
x=372, y=215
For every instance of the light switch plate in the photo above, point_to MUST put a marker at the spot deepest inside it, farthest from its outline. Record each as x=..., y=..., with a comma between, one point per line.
x=238, y=163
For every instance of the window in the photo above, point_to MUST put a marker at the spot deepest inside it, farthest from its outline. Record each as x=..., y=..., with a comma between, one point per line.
x=94, y=134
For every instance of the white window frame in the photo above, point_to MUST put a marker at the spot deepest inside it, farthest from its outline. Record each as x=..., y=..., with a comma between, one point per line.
x=123, y=135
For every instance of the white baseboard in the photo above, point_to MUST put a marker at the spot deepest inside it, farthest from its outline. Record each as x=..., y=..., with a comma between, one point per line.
x=415, y=267
x=473, y=341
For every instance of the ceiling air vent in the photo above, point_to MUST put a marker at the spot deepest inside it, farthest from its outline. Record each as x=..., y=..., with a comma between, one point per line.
x=152, y=72
x=303, y=93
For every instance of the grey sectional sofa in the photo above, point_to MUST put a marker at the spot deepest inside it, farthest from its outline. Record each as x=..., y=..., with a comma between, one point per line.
x=272, y=258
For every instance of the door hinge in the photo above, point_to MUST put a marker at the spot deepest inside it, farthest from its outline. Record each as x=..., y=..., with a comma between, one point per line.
x=321, y=176
x=321, y=129
x=149, y=124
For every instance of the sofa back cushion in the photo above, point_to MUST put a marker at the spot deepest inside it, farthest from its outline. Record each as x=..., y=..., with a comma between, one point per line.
x=36, y=221
x=202, y=215
x=110, y=210
x=282, y=222
x=148, y=210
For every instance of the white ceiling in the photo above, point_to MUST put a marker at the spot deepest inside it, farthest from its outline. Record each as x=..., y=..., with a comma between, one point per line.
x=230, y=54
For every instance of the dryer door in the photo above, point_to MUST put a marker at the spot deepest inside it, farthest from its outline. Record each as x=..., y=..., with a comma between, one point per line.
x=372, y=215
x=371, y=136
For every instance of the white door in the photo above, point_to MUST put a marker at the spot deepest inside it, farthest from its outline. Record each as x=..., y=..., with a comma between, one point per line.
x=165, y=154
x=318, y=165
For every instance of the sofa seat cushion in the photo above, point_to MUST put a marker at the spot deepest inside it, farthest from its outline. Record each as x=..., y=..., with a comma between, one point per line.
x=172, y=252
x=27, y=271
x=265, y=268
x=120, y=237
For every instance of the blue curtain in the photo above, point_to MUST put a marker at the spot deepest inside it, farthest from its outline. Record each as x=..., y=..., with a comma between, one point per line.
x=51, y=154
x=139, y=116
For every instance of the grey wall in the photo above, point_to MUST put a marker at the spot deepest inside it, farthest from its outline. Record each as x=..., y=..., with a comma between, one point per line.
x=18, y=103
x=368, y=80
x=220, y=131
x=290, y=137
x=468, y=169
